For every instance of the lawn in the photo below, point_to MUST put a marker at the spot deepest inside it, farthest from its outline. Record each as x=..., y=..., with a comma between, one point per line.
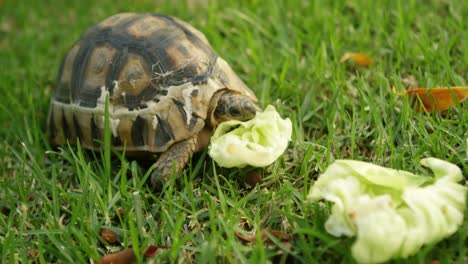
x=55, y=202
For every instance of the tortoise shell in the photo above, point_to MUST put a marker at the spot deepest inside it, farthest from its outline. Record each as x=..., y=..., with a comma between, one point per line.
x=159, y=74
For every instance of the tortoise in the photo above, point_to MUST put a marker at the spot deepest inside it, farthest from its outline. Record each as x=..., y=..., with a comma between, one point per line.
x=166, y=89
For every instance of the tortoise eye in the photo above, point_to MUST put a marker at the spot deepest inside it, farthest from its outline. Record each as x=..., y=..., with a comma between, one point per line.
x=234, y=111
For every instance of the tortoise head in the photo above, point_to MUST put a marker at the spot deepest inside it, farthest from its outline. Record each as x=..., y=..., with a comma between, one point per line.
x=231, y=105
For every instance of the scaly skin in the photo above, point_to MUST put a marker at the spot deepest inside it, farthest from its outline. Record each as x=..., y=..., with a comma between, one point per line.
x=229, y=106
x=174, y=159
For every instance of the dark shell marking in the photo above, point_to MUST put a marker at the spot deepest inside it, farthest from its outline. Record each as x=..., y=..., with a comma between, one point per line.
x=158, y=72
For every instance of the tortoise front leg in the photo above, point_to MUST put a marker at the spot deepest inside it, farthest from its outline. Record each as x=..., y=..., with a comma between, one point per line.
x=173, y=160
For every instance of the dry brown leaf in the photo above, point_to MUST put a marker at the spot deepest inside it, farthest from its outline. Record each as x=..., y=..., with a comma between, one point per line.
x=108, y=235
x=128, y=256
x=253, y=178
x=360, y=59
x=244, y=238
x=151, y=251
x=436, y=99
x=125, y=256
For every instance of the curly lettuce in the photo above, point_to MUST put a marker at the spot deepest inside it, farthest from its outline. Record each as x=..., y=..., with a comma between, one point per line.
x=392, y=213
x=257, y=142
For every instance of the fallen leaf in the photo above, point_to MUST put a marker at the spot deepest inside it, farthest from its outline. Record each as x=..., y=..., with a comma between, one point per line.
x=435, y=99
x=280, y=235
x=125, y=256
x=360, y=59
x=264, y=236
x=108, y=235
x=128, y=256
x=151, y=251
x=253, y=178
x=245, y=238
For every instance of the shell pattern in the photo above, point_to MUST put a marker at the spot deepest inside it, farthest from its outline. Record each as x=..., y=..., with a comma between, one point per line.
x=158, y=73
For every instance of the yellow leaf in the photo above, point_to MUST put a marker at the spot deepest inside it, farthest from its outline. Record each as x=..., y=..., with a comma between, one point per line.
x=436, y=99
x=361, y=59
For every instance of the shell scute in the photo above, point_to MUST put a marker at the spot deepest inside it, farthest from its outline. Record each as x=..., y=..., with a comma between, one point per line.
x=159, y=74
x=146, y=27
x=116, y=20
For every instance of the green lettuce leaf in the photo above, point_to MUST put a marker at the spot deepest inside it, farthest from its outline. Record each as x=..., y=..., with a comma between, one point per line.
x=392, y=213
x=257, y=142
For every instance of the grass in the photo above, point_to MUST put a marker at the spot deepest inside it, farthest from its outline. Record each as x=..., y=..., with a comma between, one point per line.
x=54, y=203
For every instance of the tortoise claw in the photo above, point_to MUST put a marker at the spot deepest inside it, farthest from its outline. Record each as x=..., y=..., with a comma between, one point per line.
x=157, y=181
x=172, y=162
